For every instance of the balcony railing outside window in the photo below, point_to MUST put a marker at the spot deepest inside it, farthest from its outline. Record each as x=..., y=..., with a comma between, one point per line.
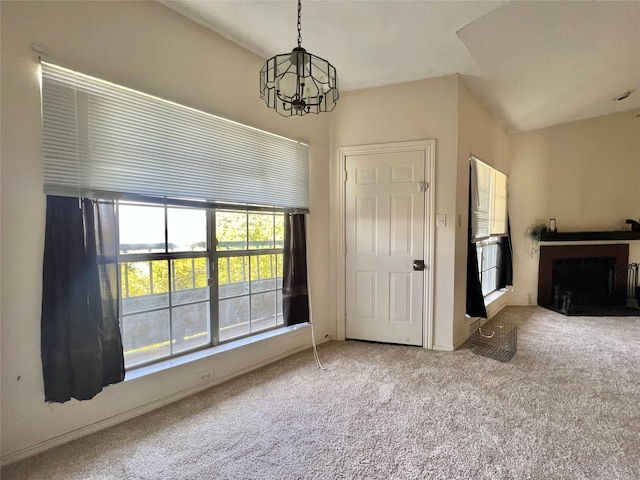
x=166, y=288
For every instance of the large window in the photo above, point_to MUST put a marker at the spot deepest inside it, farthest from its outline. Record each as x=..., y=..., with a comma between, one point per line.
x=198, y=269
x=194, y=277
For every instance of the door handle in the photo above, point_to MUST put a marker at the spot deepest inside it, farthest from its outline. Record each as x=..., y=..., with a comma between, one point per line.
x=418, y=265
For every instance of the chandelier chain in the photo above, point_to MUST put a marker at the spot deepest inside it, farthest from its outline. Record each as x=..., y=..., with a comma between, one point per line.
x=299, y=23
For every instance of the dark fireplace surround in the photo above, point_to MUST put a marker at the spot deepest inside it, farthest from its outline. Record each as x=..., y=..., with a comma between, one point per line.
x=577, y=278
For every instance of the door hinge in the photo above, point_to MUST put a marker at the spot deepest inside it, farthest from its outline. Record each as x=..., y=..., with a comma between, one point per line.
x=422, y=186
x=346, y=175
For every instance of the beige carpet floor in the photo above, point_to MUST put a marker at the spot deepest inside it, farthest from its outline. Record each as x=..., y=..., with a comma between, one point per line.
x=567, y=406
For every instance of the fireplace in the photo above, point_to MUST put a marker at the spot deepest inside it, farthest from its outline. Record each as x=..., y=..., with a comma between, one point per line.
x=582, y=279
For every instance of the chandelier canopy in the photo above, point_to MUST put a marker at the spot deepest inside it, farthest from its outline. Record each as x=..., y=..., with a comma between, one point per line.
x=298, y=83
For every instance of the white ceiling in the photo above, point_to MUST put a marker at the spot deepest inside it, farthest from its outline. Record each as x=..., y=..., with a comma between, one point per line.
x=532, y=63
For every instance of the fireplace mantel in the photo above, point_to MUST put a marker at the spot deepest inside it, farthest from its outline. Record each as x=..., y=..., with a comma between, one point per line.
x=588, y=236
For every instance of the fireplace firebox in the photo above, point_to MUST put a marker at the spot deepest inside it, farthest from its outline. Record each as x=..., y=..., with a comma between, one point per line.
x=578, y=278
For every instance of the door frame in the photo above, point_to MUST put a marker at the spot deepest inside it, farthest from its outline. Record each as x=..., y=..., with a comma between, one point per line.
x=428, y=147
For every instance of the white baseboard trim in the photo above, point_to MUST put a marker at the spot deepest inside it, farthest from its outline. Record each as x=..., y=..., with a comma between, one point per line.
x=142, y=409
x=443, y=348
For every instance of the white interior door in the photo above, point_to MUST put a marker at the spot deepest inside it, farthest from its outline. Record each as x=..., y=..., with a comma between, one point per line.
x=385, y=196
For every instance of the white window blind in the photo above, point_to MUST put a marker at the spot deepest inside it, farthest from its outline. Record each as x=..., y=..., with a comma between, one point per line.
x=99, y=138
x=488, y=202
x=499, y=203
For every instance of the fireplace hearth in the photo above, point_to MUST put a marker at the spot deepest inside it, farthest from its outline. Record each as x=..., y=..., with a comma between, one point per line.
x=583, y=279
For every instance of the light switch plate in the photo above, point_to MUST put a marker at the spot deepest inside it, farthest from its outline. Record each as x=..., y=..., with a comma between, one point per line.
x=441, y=221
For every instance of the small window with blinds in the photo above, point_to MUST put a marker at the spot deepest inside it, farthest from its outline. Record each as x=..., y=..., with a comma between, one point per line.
x=488, y=220
x=488, y=201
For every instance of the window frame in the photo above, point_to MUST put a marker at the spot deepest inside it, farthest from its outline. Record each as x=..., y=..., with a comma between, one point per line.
x=213, y=257
x=482, y=268
x=247, y=252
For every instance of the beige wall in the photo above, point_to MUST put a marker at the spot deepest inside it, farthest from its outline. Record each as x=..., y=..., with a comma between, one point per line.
x=584, y=174
x=418, y=110
x=481, y=134
x=148, y=47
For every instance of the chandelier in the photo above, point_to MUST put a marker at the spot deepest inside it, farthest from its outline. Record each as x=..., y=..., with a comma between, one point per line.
x=298, y=83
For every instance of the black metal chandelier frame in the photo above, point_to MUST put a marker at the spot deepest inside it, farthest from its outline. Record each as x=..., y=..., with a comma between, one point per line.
x=299, y=82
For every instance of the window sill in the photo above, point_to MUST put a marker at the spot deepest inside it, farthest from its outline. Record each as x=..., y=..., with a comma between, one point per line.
x=495, y=295
x=212, y=351
x=491, y=302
